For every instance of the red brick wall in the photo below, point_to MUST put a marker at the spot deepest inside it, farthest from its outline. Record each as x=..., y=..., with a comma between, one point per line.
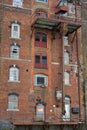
x=25, y=87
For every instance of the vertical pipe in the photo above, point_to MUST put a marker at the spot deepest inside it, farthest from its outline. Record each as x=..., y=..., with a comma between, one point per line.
x=78, y=62
x=63, y=93
x=78, y=65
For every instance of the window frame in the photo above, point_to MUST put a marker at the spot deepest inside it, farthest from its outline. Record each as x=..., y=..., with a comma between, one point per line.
x=13, y=32
x=66, y=40
x=44, y=1
x=66, y=77
x=40, y=42
x=66, y=57
x=40, y=112
x=14, y=73
x=66, y=116
x=14, y=47
x=17, y=4
x=13, y=101
x=42, y=76
x=42, y=63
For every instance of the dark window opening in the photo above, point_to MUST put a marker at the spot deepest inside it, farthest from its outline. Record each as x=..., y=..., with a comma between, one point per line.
x=15, y=28
x=44, y=59
x=37, y=37
x=15, y=51
x=37, y=59
x=40, y=80
x=44, y=38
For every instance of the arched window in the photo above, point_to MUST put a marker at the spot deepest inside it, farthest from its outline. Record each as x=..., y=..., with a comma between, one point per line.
x=14, y=51
x=40, y=39
x=13, y=73
x=13, y=101
x=67, y=78
x=40, y=111
x=66, y=116
x=66, y=57
x=15, y=30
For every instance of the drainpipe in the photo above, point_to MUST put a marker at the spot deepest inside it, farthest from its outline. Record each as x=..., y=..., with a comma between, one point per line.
x=78, y=65
x=78, y=62
x=63, y=88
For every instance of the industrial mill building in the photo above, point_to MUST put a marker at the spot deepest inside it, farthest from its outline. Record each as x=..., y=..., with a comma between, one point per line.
x=41, y=72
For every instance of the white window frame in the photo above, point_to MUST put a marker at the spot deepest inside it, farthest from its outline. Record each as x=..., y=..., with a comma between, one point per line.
x=43, y=1
x=65, y=41
x=42, y=76
x=40, y=112
x=66, y=57
x=67, y=78
x=66, y=116
x=17, y=3
x=14, y=74
x=12, y=102
x=15, y=33
x=14, y=51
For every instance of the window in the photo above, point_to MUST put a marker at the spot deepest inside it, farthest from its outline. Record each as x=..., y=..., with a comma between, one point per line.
x=13, y=101
x=65, y=41
x=14, y=73
x=66, y=57
x=40, y=39
x=14, y=51
x=40, y=112
x=62, y=2
x=44, y=1
x=40, y=61
x=66, y=116
x=17, y=3
x=15, y=30
x=40, y=80
x=67, y=77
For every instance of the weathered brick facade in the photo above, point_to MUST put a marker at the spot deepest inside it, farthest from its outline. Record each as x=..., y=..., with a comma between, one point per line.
x=84, y=40
x=28, y=94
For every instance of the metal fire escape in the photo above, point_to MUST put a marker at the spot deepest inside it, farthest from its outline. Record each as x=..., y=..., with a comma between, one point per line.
x=64, y=25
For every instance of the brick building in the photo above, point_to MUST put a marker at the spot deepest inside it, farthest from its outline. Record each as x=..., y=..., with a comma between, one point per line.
x=84, y=40
x=40, y=64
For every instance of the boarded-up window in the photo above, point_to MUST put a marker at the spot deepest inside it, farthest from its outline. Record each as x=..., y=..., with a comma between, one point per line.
x=40, y=112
